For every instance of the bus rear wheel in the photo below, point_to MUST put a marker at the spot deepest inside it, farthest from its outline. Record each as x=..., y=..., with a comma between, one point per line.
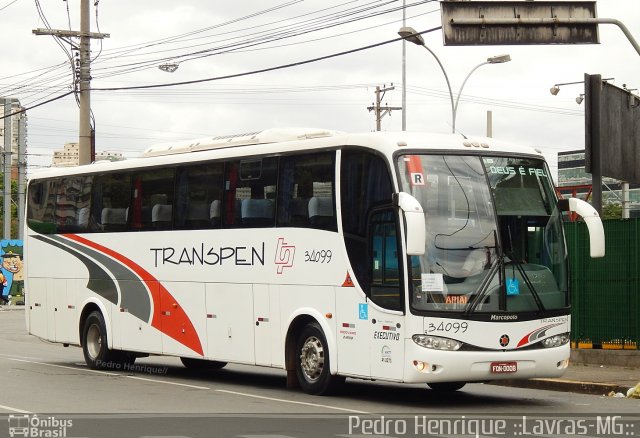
x=446, y=386
x=312, y=362
x=201, y=364
x=95, y=347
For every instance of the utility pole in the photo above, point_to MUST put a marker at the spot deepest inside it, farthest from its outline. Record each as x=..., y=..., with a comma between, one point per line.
x=85, y=155
x=404, y=70
x=85, y=150
x=22, y=166
x=380, y=112
x=6, y=167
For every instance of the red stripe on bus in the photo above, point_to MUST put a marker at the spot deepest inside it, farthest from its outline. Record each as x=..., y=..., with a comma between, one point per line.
x=178, y=326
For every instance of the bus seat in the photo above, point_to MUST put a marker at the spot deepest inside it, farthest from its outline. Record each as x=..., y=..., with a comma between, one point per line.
x=83, y=218
x=257, y=212
x=158, y=198
x=113, y=219
x=161, y=216
x=321, y=212
x=198, y=215
x=214, y=213
x=299, y=211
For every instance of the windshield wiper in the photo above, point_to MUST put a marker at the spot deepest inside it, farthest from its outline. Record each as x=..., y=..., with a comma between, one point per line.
x=484, y=287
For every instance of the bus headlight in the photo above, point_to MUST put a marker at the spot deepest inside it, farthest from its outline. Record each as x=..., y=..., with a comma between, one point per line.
x=436, y=342
x=556, y=341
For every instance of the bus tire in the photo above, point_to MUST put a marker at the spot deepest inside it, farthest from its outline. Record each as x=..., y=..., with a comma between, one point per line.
x=446, y=386
x=94, y=344
x=201, y=364
x=312, y=362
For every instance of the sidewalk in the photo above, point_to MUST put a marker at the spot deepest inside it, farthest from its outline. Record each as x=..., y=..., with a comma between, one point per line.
x=585, y=379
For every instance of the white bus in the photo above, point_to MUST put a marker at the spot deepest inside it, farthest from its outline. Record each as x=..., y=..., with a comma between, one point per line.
x=403, y=257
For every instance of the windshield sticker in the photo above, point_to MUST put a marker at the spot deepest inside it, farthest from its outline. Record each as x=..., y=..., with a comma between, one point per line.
x=513, y=286
x=432, y=282
x=522, y=170
x=414, y=169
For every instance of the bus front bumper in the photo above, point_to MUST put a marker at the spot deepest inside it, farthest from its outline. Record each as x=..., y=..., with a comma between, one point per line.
x=425, y=365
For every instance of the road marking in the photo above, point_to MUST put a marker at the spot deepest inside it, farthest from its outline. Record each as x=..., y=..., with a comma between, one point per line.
x=281, y=400
x=145, y=379
x=19, y=411
x=65, y=367
x=106, y=373
x=165, y=382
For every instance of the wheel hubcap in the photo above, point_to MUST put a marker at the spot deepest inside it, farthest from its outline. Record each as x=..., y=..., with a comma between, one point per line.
x=94, y=341
x=312, y=358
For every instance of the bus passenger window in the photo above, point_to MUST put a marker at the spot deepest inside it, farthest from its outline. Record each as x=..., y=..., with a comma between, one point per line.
x=306, y=191
x=73, y=197
x=250, y=190
x=41, y=207
x=198, y=196
x=152, y=192
x=110, y=202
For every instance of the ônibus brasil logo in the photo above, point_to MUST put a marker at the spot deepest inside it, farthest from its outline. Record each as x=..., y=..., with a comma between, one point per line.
x=34, y=426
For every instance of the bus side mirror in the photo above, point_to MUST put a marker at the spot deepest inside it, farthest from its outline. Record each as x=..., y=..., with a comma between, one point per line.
x=414, y=218
x=593, y=221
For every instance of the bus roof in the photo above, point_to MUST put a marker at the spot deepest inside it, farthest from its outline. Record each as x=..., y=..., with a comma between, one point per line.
x=274, y=141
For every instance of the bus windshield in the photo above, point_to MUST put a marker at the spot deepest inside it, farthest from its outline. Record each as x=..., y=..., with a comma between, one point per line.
x=494, y=238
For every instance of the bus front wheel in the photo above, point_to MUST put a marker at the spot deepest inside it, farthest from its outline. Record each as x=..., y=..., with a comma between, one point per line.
x=312, y=362
x=94, y=344
x=446, y=386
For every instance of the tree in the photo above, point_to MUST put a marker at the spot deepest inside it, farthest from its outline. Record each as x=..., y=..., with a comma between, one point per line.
x=611, y=211
x=14, y=206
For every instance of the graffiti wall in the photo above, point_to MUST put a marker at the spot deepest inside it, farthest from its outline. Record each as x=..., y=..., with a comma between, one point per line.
x=11, y=272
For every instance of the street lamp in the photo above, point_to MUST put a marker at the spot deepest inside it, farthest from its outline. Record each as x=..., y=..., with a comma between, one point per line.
x=409, y=34
x=499, y=59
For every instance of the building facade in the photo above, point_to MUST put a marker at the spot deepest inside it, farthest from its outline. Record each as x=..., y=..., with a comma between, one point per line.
x=69, y=156
x=574, y=180
x=18, y=127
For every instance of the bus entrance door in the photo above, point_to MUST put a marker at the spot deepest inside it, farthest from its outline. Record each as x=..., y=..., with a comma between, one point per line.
x=387, y=344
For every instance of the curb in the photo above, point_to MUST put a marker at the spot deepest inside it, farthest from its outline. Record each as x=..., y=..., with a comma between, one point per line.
x=11, y=308
x=592, y=388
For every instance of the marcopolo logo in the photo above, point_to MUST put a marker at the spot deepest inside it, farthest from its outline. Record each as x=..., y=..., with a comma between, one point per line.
x=34, y=426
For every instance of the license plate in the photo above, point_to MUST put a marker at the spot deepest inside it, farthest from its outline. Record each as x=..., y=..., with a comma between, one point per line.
x=504, y=367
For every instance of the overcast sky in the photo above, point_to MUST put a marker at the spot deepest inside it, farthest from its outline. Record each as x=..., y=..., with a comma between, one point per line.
x=209, y=39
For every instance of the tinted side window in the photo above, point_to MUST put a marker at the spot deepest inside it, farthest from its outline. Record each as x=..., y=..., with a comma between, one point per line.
x=110, y=202
x=73, y=198
x=41, y=207
x=365, y=184
x=199, y=192
x=306, y=191
x=250, y=193
x=152, y=200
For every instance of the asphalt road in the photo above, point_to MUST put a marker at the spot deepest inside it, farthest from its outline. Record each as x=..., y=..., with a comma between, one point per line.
x=48, y=389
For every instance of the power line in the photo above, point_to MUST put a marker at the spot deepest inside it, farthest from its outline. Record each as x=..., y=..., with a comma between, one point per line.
x=25, y=109
x=264, y=70
x=7, y=5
